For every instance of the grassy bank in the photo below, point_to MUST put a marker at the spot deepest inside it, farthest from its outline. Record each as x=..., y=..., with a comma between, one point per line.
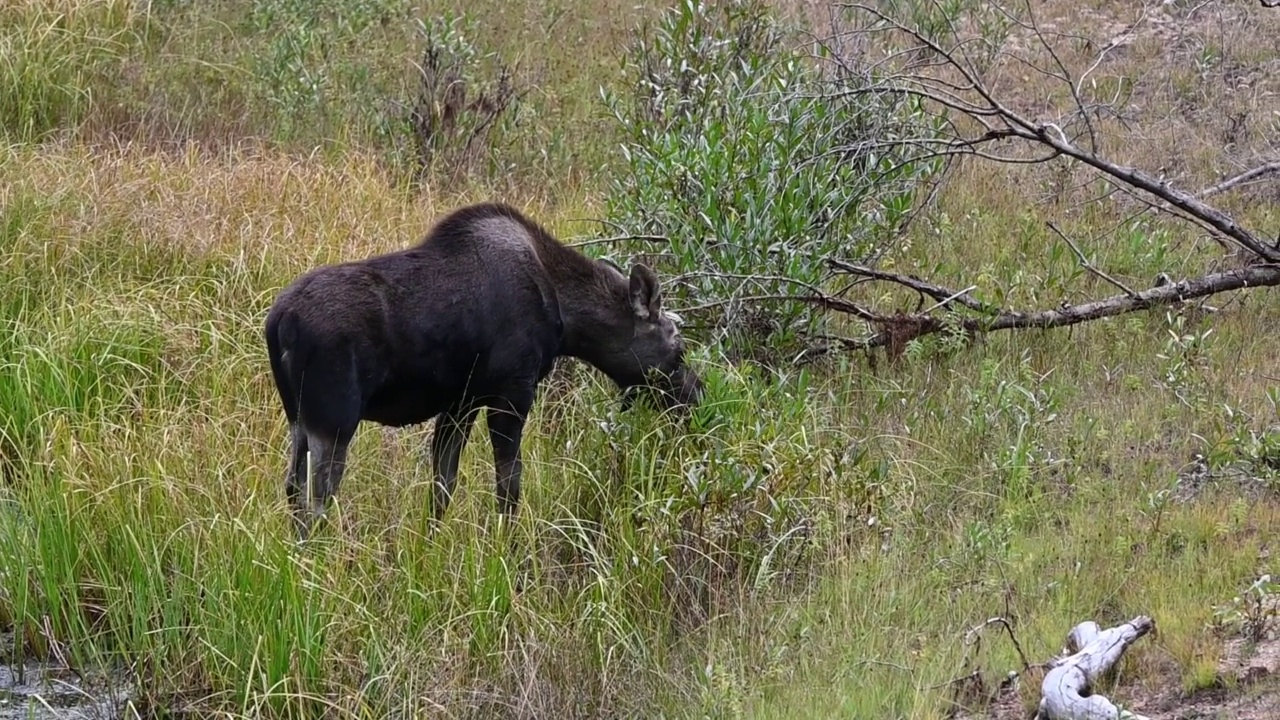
x=816, y=545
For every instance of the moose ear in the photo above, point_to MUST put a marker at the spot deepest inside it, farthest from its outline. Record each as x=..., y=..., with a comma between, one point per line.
x=646, y=294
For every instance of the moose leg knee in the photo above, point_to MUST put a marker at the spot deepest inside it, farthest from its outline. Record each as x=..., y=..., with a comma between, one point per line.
x=451, y=431
x=506, y=426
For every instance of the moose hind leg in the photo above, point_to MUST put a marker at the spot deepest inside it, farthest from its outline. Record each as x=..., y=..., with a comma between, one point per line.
x=506, y=427
x=451, y=431
x=295, y=479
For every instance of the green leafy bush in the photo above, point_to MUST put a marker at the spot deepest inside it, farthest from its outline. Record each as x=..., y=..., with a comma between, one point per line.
x=756, y=164
x=312, y=72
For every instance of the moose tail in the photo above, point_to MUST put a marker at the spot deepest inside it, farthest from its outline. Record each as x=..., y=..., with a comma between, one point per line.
x=282, y=347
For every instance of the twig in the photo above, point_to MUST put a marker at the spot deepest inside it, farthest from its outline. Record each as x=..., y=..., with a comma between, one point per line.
x=824, y=301
x=943, y=302
x=1244, y=177
x=974, y=635
x=619, y=238
x=1088, y=265
x=941, y=294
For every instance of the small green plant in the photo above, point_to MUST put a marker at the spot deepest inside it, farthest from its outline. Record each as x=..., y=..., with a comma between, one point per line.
x=309, y=63
x=1184, y=356
x=1253, y=612
x=1246, y=445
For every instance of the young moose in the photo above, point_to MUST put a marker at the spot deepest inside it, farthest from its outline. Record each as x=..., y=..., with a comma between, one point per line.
x=471, y=318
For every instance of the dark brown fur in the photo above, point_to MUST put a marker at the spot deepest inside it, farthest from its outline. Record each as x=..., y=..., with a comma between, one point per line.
x=471, y=318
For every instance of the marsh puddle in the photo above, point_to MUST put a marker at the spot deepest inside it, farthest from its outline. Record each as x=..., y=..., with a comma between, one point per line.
x=45, y=691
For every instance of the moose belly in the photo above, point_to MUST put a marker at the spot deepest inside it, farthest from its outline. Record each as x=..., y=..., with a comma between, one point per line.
x=405, y=404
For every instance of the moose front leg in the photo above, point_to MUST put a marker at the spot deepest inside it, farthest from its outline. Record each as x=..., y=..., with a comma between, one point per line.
x=452, y=429
x=506, y=426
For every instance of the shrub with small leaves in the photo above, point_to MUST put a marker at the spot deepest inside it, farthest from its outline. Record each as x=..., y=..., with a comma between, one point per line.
x=308, y=68
x=457, y=107
x=756, y=164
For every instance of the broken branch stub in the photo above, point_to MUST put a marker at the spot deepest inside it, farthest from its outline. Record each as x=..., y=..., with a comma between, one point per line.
x=1066, y=688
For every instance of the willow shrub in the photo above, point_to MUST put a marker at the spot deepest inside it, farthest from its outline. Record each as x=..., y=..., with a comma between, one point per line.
x=757, y=162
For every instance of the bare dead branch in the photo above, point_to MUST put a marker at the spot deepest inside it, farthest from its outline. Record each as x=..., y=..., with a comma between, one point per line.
x=1001, y=122
x=824, y=301
x=1252, y=276
x=1088, y=265
x=1270, y=168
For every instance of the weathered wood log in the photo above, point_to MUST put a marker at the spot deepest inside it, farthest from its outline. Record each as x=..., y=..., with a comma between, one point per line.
x=1067, y=686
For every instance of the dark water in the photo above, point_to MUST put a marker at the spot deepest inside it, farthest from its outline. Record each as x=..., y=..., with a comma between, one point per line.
x=47, y=692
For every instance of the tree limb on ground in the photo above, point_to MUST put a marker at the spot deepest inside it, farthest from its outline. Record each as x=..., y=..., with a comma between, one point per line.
x=901, y=328
x=1067, y=687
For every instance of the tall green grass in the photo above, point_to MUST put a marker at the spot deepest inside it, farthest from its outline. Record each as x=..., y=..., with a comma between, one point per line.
x=55, y=58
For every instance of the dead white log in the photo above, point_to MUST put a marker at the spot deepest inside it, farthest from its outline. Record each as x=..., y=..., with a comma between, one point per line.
x=1066, y=687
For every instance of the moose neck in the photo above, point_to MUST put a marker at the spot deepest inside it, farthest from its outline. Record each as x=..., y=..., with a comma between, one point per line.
x=594, y=330
x=595, y=308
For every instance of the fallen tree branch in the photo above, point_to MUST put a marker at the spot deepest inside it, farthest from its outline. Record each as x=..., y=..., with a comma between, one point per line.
x=943, y=76
x=1265, y=275
x=1067, y=687
x=937, y=292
